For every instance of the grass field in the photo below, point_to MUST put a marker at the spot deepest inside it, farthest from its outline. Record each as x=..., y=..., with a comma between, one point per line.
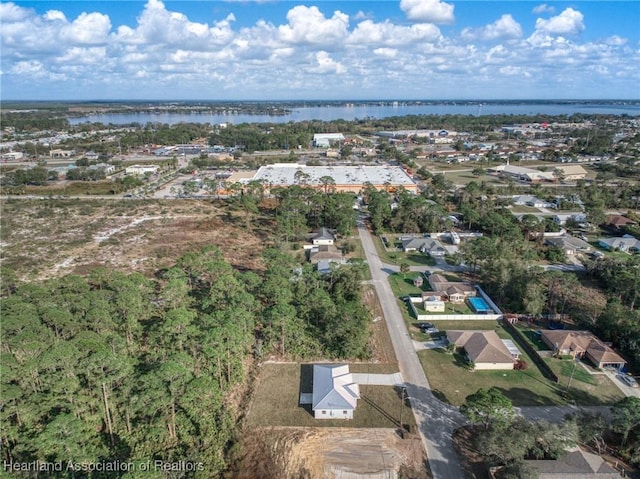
x=402, y=284
x=524, y=388
x=449, y=308
x=277, y=394
x=399, y=256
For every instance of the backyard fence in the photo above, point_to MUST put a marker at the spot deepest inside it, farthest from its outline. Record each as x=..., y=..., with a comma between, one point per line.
x=535, y=356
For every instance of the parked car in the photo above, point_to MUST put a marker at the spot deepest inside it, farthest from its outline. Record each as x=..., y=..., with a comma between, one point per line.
x=628, y=380
x=428, y=328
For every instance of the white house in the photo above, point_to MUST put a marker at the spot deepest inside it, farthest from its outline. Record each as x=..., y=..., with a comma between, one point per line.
x=530, y=200
x=323, y=237
x=335, y=394
x=563, y=218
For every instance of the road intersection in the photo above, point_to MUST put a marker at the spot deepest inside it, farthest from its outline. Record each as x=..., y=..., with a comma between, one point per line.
x=435, y=419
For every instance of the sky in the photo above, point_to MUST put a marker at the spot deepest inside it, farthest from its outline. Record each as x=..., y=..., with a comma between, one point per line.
x=322, y=50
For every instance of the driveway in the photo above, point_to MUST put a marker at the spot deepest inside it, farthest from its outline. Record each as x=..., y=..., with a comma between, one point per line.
x=436, y=421
x=367, y=379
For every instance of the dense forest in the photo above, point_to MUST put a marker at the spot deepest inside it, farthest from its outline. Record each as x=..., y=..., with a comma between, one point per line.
x=120, y=367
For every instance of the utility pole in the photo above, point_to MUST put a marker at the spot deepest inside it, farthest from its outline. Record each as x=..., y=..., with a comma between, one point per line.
x=402, y=396
x=575, y=363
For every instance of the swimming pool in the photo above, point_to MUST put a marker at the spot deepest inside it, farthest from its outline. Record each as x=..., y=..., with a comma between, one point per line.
x=479, y=306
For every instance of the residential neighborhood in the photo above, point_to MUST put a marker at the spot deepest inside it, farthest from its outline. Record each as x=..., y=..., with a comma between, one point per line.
x=388, y=298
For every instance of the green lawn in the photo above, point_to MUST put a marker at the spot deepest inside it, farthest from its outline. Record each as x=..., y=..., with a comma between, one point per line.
x=276, y=399
x=399, y=256
x=532, y=338
x=449, y=308
x=402, y=284
x=453, y=382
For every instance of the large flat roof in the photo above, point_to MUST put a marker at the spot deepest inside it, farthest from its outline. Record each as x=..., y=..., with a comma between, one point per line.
x=285, y=174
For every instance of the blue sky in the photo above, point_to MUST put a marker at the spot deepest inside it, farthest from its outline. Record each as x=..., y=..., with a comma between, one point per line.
x=270, y=50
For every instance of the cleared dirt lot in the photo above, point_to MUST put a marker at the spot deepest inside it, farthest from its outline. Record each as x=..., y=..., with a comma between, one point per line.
x=345, y=453
x=49, y=238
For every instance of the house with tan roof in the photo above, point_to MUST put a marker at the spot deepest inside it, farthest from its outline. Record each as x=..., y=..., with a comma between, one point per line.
x=452, y=291
x=618, y=221
x=583, y=344
x=575, y=464
x=485, y=349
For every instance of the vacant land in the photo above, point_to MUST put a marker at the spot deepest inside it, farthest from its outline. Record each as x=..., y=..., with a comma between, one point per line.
x=49, y=238
x=524, y=388
x=276, y=399
x=318, y=453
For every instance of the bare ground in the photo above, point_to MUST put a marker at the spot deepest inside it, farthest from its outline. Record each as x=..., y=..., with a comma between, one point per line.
x=44, y=239
x=345, y=453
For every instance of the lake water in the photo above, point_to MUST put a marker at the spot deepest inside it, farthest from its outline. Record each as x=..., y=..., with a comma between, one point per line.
x=349, y=113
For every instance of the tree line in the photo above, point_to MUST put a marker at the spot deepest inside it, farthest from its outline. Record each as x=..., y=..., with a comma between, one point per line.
x=506, y=441
x=122, y=367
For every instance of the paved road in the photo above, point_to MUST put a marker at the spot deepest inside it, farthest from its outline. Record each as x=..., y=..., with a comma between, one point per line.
x=436, y=420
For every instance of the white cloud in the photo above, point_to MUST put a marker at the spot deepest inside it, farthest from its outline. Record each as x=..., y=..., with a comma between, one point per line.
x=503, y=28
x=53, y=15
x=615, y=40
x=88, y=28
x=159, y=26
x=10, y=12
x=387, y=33
x=386, y=52
x=569, y=22
x=429, y=11
x=325, y=64
x=543, y=8
x=514, y=71
x=308, y=53
x=309, y=25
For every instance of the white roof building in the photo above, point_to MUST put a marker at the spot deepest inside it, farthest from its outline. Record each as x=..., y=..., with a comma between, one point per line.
x=335, y=394
x=345, y=178
x=324, y=140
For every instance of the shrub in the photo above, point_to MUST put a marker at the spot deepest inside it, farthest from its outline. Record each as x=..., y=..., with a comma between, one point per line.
x=520, y=365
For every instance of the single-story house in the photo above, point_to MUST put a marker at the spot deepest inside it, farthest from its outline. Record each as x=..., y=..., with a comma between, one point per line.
x=324, y=236
x=569, y=244
x=335, y=394
x=583, y=344
x=625, y=244
x=418, y=281
x=575, y=464
x=484, y=348
x=430, y=246
x=618, y=221
x=530, y=200
x=562, y=219
x=453, y=291
x=325, y=252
